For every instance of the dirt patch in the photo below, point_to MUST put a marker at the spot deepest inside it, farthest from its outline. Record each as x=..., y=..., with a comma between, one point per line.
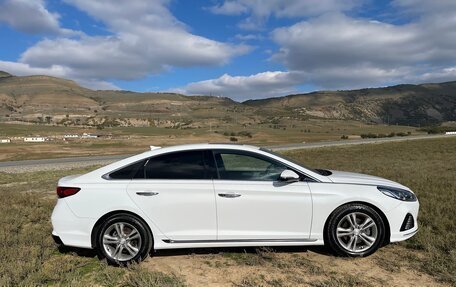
x=288, y=267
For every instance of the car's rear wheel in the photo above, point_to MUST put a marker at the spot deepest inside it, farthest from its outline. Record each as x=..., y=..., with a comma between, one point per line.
x=355, y=230
x=123, y=239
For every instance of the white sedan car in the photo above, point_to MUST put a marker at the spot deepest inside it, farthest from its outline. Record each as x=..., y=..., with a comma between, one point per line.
x=223, y=195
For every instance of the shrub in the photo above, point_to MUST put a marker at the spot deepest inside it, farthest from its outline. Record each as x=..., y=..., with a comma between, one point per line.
x=437, y=129
x=369, y=136
x=245, y=134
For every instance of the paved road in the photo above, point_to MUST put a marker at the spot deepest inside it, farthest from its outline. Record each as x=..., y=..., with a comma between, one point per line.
x=61, y=160
x=74, y=162
x=352, y=142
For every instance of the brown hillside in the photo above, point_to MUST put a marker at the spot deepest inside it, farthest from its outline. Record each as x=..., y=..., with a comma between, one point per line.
x=60, y=101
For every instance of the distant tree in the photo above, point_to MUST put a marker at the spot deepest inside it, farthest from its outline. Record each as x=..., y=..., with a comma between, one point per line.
x=233, y=139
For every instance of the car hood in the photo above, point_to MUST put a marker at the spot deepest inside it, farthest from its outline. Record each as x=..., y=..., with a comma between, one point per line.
x=359, y=178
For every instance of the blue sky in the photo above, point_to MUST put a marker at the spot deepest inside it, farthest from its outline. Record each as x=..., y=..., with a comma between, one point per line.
x=242, y=49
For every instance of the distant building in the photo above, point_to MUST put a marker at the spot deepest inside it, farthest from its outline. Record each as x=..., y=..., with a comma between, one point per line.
x=89, y=136
x=450, y=133
x=35, y=139
x=5, y=140
x=71, y=136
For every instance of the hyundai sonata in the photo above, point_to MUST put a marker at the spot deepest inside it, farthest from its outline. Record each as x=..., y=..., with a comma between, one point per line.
x=221, y=195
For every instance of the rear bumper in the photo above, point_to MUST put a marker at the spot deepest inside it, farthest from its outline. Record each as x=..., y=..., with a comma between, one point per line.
x=57, y=239
x=68, y=229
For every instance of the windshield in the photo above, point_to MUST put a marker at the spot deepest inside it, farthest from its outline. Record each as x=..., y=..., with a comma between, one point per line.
x=290, y=160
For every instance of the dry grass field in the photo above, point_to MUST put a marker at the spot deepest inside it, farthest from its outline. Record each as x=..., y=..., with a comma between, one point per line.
x=29, y=257
x=127, y=140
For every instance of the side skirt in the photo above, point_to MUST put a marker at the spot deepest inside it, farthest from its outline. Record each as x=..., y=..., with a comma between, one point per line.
x=238, y=240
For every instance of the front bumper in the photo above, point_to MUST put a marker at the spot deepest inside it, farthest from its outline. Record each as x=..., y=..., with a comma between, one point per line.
x=396, y=220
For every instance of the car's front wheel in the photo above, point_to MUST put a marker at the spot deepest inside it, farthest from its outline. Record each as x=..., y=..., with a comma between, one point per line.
x=355, y=230
x=123, y=239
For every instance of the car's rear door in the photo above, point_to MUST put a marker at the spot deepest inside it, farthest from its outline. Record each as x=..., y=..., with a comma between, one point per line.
x=175, y=190
x=252, y=204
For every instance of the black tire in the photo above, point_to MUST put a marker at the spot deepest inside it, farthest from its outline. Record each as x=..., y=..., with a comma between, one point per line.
x=362, y=237
x=140, y=246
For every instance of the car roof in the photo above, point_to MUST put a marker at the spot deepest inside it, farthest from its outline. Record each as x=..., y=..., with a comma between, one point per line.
x=204, y=146
x=96, y=174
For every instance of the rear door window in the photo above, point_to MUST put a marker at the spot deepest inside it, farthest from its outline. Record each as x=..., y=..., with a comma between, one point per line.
x=127, y=172
x=177, y=165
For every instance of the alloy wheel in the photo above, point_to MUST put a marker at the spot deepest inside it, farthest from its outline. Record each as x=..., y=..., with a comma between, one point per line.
x=356, y=232
x=122, y=241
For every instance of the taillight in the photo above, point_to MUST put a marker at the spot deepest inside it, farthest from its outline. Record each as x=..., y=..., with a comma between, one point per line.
x=63, y=191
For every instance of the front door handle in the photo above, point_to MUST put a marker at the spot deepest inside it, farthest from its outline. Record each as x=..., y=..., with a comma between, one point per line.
x=229, y=195
x=146, y=193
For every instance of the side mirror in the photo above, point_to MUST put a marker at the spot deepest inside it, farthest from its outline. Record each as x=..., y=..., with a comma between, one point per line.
x=289, y=176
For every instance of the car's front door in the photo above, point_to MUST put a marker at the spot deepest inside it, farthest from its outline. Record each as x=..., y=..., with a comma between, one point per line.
x=253, y=204
x=175, y=190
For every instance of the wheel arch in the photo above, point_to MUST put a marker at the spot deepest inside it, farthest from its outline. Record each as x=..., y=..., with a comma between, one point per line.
x=378, y=210
x=96, y=227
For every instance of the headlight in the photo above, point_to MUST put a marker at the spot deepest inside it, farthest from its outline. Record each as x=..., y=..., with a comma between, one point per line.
x=397, y=193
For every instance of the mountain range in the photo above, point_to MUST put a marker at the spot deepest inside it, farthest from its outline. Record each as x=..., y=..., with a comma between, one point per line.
x=50, y=100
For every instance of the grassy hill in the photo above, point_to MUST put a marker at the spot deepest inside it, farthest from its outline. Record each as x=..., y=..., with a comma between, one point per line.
x=402, y=104
x=44, y=99
x=50, y=100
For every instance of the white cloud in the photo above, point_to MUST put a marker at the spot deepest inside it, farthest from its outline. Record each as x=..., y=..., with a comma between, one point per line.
x=146, y=38
x=25, y=70
x=325, y=48
x=259, y=11
x=31, y=16
x=229, y=8
x=435, y=75
x=261, y=85
x=55, y=71
x=336, y=51
x=425, y=6
x=249, y=37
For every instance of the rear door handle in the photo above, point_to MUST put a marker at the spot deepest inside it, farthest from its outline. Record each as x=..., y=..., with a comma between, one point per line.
x=229, y=195
x=146, y=193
